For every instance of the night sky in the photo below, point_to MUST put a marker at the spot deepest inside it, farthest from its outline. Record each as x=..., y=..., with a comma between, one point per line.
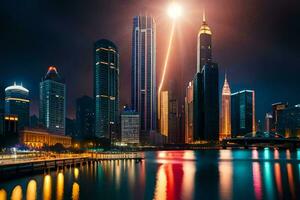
x=257, y=42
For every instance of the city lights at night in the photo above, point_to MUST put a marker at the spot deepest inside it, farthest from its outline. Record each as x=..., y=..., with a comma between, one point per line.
x=149, y=99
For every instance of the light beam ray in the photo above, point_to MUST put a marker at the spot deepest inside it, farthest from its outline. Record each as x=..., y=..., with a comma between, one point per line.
x=167, y=58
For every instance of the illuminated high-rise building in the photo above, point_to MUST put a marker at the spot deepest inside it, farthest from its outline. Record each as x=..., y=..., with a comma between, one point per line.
x=106, y=88
x=204, y=45
x=52, y=111
x=189, y=114
x=243, y=113
x=169, y=121
x=17, y=103
x=225, y=112
x=268, y=122
x=277, y=109
x=143, y=72
x=205, y=89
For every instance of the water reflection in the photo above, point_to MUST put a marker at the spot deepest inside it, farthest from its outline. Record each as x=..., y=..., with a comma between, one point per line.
x=31, y=190
x=161, y=184
x=75, y=191
x=225, y=171
x=76, y=173
x=60, y=186
x=47, y=187
x=268, y=176
x=291, y=179
x=257, y=180
x=278, y=180
x=224, y=174
x=17, y=193
x=3, y=194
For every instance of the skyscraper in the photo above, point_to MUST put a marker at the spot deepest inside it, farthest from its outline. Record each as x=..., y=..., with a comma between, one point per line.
x=210, y=75
x=18, y=103
x=169, y=121
x=189, y=114
x=289, y=122
x=226, y=111
x=242, y=113
x=52, y=111
x=85, y=116
x=106, y=88
x=206, y=97
x=268, y=122
x=143, y=72
x=277, y=109
x=204, y=45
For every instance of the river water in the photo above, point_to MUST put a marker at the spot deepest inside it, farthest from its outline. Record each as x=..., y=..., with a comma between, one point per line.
x=204, y=174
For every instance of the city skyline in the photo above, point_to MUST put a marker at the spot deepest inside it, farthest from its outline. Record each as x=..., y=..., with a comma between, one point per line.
x=255, y=65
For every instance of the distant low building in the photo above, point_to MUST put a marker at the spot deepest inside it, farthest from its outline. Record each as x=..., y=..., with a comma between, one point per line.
x=268, y=122
x=38, y=138
x=289, y=122
x=8, y=130
x=130, y=127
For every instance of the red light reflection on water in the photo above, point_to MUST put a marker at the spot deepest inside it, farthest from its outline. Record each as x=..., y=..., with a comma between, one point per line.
x=175, y=175
x=257, y=180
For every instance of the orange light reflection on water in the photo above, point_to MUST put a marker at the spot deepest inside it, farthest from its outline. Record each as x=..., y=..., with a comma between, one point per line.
x=31, y=190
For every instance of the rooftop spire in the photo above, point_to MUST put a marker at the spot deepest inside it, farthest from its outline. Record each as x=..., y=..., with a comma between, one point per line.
x=203, y=16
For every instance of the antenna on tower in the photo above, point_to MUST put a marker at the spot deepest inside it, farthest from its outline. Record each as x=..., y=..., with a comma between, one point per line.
x=203, y=15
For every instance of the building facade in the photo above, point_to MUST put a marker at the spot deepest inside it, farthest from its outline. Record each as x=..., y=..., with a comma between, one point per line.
x=226, y=111
x=189, y=114
x=242, y=113
x=52, y=111
x=289, y=122
x=17, y=103
x=38, y=138
x=143, y=72
x=206, y=90
x=106, y=88
x=277, y=109
x=85, y=117
x=268, y=122
x=130, y=127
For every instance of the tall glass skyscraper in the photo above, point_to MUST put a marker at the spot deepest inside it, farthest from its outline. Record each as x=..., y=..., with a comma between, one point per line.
x=143, y=71
x=106, y=88
x=52, y=112
x=205, y=94
x=242, y=113
x=18, y=103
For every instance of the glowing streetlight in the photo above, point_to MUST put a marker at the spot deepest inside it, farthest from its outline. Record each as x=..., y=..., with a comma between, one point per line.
x=174, y=10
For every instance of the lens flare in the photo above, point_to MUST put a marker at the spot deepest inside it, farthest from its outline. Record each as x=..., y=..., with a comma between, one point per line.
x=174, y=10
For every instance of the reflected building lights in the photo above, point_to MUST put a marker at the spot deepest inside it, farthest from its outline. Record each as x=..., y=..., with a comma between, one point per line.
x=17, y=193
x=161, y=184
x=31, y=190
x=291, y=179
x=189, y=170
x=254, y=154
x=257, y=180
x=276, y=154
x=225, y=171
x=288, y=154
x=75, y=191
x=60, y=186
x=268, y=180
x=3, y=194
x=278, y=179
x=47, y=188
x=76, y=173
x=267, y=153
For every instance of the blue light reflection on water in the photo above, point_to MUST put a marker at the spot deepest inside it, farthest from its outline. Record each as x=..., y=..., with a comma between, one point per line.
x=224, y=174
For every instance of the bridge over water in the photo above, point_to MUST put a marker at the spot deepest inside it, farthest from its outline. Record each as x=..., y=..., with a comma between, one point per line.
x=258, y=138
